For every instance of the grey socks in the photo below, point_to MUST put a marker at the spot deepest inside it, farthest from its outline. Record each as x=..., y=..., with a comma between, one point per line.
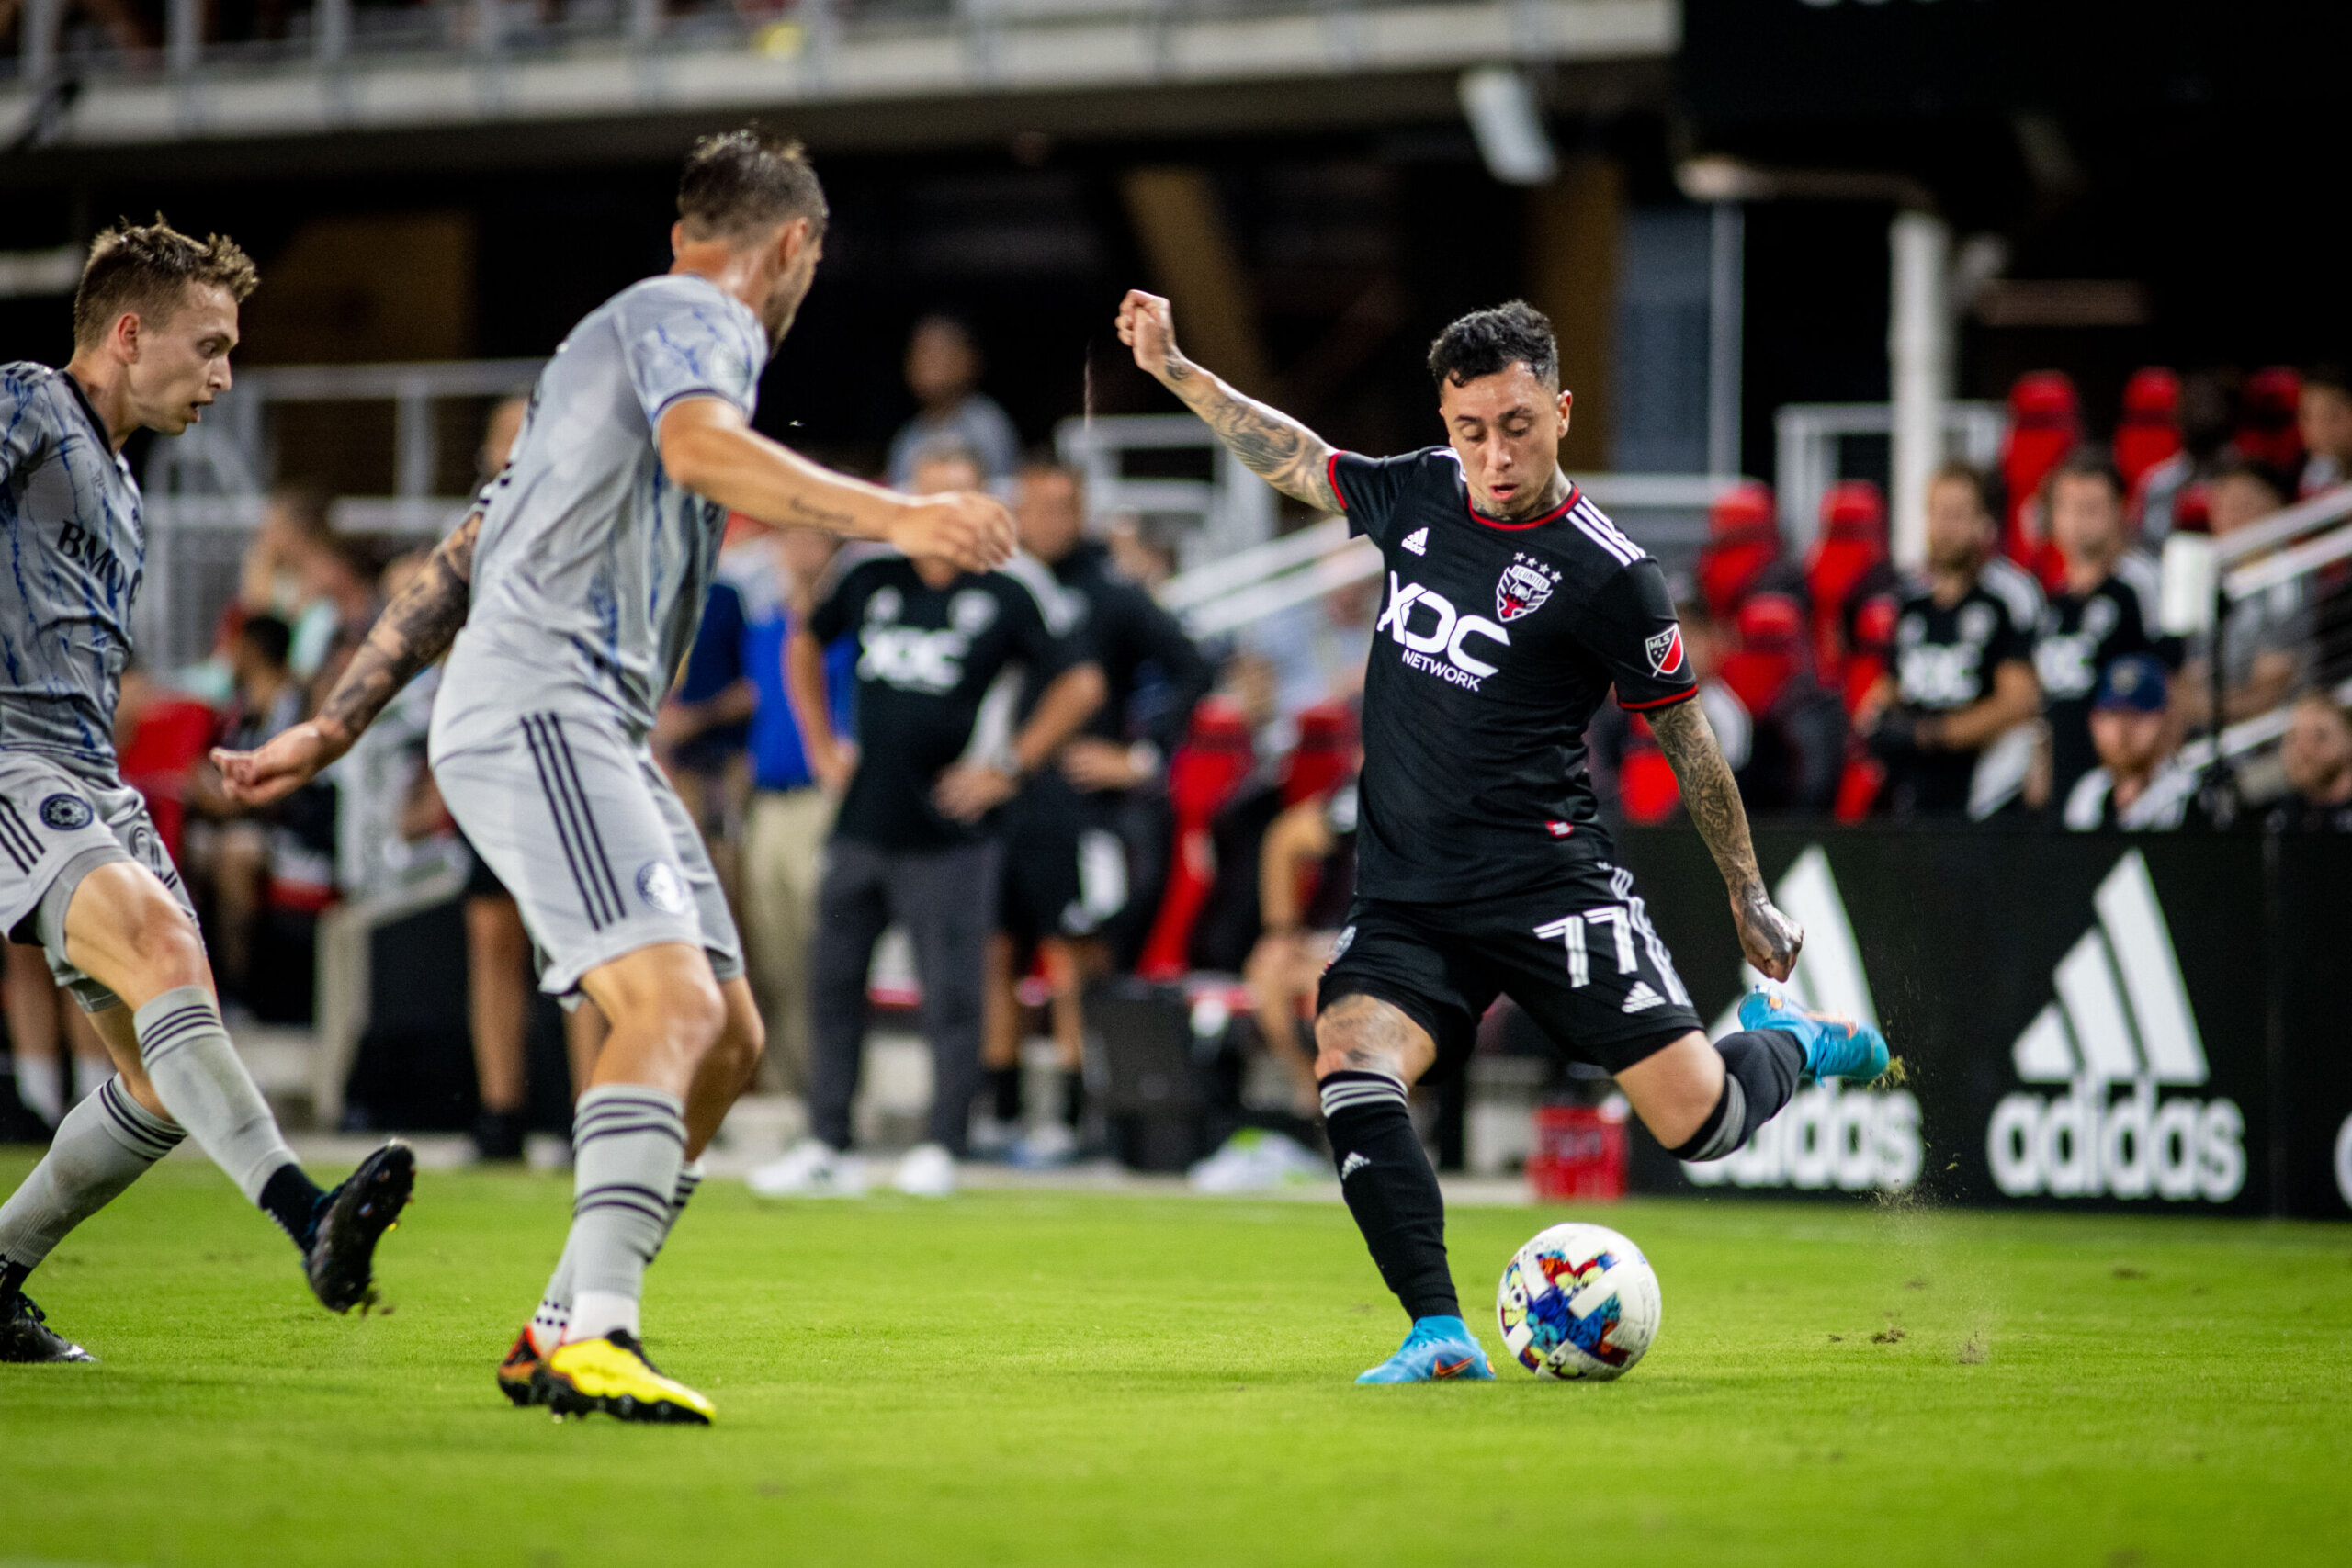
x=628, y=1146
x=104, y=1145
x=554, y=1316
x=201, y=1081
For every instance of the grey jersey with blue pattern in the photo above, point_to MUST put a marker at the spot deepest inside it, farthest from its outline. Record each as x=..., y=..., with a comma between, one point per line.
x=76, y=547
x=590, y=570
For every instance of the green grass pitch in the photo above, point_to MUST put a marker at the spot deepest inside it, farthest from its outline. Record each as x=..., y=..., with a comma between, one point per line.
x=1059, y=1378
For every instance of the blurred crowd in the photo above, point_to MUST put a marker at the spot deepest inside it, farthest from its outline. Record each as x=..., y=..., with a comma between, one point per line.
x=2026, y=671
x=1063, y=801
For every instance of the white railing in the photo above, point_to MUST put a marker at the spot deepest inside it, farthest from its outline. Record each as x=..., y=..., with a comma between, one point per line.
x=1809, y=439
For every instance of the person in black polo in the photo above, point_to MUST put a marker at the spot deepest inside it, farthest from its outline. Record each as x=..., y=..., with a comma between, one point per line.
x=941, y=657
x=1963, y=678
x=2106, y=609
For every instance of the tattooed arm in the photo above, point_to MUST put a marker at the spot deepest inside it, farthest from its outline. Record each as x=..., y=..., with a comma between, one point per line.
x=1271, y=444
x=1769, y=938
x=415, y=630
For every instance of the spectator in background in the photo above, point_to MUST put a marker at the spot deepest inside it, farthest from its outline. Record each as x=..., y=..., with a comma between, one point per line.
x=59, y=1058
x=2317, y=756
x=2104, y=608
x=943, y=370
x=229, y=846
x=2139, y=785
x=2172, y=494
x=702, y=736
x=1306, y=879
x=339, y=574
x=1963, y=680
x=935, y=759
x=1312, y=652
x=2266, y=636
x=784, y=837
x=1066, y=875
x=2324, y=416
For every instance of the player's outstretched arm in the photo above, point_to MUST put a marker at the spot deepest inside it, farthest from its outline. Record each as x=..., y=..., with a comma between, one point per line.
x=710, y=447
x=415, y=630
x=1769, y=938
x=1269, y=444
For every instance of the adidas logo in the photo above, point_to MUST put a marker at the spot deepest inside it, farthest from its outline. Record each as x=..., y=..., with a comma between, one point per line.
x=2120, y=1018
x=1353, y=1163
x=1642, y=997
x=1417, y=541
x=1830, y=1134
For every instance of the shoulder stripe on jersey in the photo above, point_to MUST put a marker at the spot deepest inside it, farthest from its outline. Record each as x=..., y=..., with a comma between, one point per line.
x=2010, y=582
x=2140, y=574
x=1597, y=527
x=1331, y=474
x=1054, y=606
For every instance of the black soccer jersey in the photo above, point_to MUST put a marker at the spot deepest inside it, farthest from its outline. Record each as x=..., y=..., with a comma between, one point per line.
x=938, y=675
x=2080, y=634
x=1944, y=660
x=1495, y=643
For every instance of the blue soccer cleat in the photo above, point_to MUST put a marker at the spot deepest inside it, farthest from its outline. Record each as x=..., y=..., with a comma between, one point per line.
x=1437, y=1348
x=1834, y=1047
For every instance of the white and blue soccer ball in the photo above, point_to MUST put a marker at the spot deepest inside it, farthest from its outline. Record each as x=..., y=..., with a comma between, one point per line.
x=1578, y=1302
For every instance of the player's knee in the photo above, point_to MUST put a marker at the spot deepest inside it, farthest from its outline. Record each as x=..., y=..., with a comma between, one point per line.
x=166, y=951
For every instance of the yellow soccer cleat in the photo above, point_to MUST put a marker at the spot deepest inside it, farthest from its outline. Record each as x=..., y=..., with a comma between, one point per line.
x=612, y=1375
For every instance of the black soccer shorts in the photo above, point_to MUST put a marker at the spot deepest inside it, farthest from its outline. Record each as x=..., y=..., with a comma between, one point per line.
x=1577, y=952
x=1064, y=871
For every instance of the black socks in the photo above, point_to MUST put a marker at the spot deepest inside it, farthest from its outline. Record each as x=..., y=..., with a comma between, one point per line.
x=1760, y=1071
x=295, y=1201
x=1073, y=1080
x=1004, y=1090
x=1390, y=1188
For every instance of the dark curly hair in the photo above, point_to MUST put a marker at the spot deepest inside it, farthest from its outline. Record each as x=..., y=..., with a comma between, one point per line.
x=740, y=182
x=1486, y=341
x=143, y=269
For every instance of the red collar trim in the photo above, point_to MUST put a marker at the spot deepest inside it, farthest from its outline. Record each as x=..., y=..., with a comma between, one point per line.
x=1575, y=495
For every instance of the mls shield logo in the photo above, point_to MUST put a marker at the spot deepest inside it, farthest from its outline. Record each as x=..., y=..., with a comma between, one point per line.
x=1665, y=651
x=1523, y=588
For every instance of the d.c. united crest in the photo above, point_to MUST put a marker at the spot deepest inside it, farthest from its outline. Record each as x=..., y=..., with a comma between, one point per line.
x=1525, y=584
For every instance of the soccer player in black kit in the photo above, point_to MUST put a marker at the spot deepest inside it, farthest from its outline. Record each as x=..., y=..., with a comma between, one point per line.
x=1511, y=607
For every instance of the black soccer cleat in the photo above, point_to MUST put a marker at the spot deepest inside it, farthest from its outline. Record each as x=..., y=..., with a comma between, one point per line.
x=353, y=1218
x=516, y=1374
x=26, y=1336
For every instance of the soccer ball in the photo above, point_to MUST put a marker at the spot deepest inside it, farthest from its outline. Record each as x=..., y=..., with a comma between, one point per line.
x=1578, y=1302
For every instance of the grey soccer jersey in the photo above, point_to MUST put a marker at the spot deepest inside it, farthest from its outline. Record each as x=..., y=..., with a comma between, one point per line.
x=76, y=546
x=590, y=570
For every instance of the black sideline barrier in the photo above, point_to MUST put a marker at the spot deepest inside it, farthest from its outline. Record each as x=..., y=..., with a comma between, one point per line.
x=2159, y=1023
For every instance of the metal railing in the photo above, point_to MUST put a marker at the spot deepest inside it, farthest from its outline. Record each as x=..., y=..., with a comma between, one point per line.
x=1810, y=445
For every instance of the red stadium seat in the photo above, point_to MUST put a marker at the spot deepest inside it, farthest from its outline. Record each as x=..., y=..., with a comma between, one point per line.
x=2267, y=430
x=164, y=746
x=2149, y=430
x=1325, y=752
x=1647, y=786
x=1771, y=650
x=1851, y=541
x=1743, y=540
x=2045, y=424
x=1216, y=758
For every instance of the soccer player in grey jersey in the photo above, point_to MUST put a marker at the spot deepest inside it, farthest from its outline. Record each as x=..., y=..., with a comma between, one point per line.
x=578, y=581
x=83, y=874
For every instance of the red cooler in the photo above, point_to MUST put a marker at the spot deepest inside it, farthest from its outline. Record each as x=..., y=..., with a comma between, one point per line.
x=1580, y=1154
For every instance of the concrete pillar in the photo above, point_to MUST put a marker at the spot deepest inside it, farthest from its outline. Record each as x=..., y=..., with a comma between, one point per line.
x=1919, y=370
x=1726, y=302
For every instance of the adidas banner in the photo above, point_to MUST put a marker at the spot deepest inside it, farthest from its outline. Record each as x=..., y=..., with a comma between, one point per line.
x=2145, y=1021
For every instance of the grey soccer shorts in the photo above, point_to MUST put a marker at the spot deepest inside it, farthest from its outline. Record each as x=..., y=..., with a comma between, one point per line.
x=597, y=848
x=58, y=824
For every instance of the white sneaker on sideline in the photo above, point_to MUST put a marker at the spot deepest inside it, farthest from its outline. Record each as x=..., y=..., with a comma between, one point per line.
x=1051, y=1144
x=810, y=1168
x=928, y=1171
